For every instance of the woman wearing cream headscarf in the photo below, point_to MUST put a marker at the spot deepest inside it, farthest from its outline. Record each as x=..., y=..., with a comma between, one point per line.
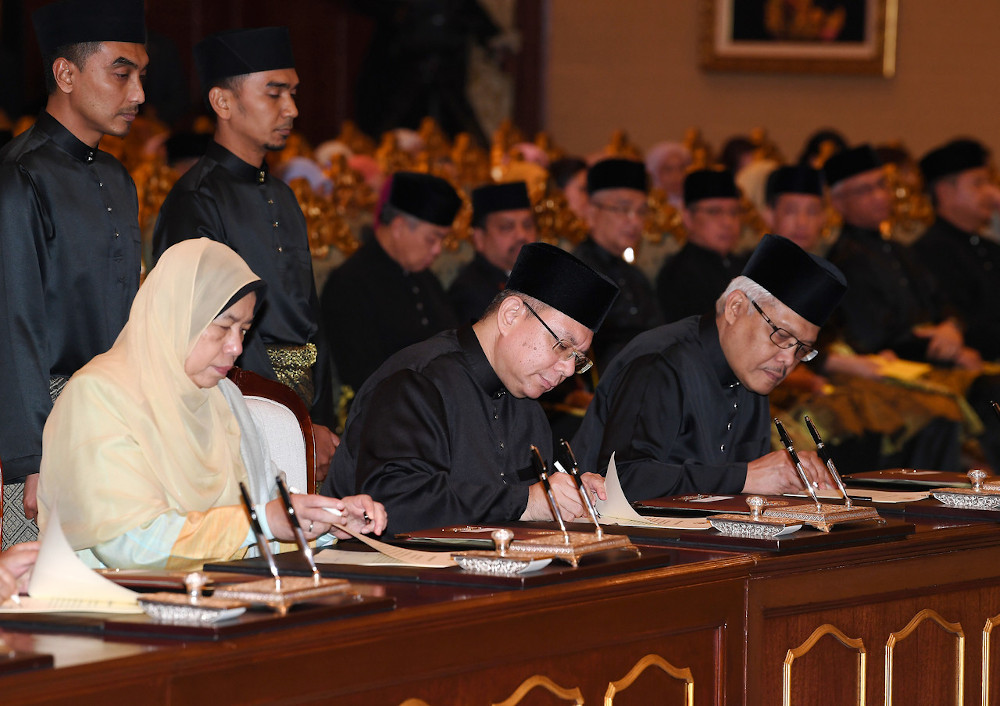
x=145, y=449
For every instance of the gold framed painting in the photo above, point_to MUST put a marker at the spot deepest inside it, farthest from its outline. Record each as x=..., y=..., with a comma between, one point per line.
x=800, y=36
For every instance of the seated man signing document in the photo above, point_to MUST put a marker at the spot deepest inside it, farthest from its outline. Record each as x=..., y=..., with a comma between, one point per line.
x=441, y=432
x=684, y=406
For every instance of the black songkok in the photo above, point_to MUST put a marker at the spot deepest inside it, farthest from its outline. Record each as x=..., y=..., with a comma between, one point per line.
x=76, y=21
x=423, y=196
x=492, y=198
x=957, y=156
x=808, y=285
x=242, y=51
x=709, y=184
x=793, y=180
x=552, y=275
x=617, y=174
x=848, y=163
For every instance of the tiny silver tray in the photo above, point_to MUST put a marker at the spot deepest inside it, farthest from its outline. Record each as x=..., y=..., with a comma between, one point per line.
x=180, y=609
x=492, y=564
x=981, y=496
x=280, y=595
x=745, y=527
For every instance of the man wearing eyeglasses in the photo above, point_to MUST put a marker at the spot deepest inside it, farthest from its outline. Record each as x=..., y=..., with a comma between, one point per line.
x=684, y=407
x=689, y=282
x=440, y=433
x=617, y=212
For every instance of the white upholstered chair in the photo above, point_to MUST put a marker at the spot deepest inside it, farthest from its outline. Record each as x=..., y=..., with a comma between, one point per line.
x=284, y=421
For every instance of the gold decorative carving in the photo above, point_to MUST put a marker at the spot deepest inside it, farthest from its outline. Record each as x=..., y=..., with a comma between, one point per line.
x=953, y=628
x=527, y=685
x=641, y=666
x=987, y=633
x=857, y=644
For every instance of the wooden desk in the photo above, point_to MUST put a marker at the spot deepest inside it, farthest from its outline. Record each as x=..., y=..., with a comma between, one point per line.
x=729, y=619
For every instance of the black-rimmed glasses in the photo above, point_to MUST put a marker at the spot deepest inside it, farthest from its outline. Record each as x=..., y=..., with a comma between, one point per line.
x=582, y=362
x=784, y=340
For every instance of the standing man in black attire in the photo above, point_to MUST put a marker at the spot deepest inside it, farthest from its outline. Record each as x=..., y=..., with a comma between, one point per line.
x=965, y=264
x=617, y=210
x=384, y=297
x=502, y=221
x=689, y=282
x=69, y=229
x=441, y=433
x=250, y=82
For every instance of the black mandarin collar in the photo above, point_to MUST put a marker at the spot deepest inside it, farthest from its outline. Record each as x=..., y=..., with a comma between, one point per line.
x=489, y=268
x=862, y=234
x=65, y=139
x=475, y=358
x=236, y=166
x=709, y=255
x=708, y=334
x=604, y=256
x=384, y=260
x=953, y=231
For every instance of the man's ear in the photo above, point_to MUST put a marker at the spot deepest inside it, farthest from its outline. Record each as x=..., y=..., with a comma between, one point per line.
x=509, y=311
x=767, y=213
x=736, y=305
x=221, y=101
x=64, y=71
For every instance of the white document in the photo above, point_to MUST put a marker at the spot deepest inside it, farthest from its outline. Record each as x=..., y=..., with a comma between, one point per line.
x=388, y=555
x=616, y=510
x=60, y=582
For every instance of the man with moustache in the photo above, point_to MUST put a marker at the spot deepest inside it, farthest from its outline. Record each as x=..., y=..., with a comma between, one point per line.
x=616, y=211
x=684, y=407
x=502, y=221
x=250, y=82
x=384, y=297
x=441, y=433
x=689, y=282
x=69, y=229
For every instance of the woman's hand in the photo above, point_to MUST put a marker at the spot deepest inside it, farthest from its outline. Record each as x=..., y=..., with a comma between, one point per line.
x=315, y=518
x=15, y=568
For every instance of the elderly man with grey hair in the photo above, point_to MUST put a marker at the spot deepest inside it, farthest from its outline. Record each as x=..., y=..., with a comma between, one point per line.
x=684, y=406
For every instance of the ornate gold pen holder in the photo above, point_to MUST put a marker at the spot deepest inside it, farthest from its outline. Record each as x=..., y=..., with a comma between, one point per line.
x=524, y=555
x=281, y=594
x=981, y=496
x=778, y=521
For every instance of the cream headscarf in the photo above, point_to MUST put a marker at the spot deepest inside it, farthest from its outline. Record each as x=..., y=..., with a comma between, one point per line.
x=132, y=436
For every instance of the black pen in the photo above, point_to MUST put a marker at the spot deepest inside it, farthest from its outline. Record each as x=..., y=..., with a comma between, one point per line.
x=265, y=549
x=300, y=536
x=542, y=471
x=824, y=453
x=574, y=470
x=787, y=443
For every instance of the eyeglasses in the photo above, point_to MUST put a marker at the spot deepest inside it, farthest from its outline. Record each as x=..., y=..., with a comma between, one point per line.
x=639, y=212
x=566, y=351
x=784, y=340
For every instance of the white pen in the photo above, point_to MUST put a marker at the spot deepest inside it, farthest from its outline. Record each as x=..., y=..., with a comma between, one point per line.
x=334, y=511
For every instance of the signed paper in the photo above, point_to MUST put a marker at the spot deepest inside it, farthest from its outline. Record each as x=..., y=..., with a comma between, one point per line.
x=60, y=582
x=388, y=555
x=616, y=510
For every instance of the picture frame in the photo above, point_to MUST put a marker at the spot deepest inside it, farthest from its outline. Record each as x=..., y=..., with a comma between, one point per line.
x=800, y=36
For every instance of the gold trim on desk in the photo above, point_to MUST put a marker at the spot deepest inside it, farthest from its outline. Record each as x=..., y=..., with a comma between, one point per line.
x=530, y=683
x=953, y=628
x=987, y=633
x=856, y=644
x=641, y=666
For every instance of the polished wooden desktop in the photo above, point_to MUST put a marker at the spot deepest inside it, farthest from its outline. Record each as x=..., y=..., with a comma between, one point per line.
x=913, y=617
